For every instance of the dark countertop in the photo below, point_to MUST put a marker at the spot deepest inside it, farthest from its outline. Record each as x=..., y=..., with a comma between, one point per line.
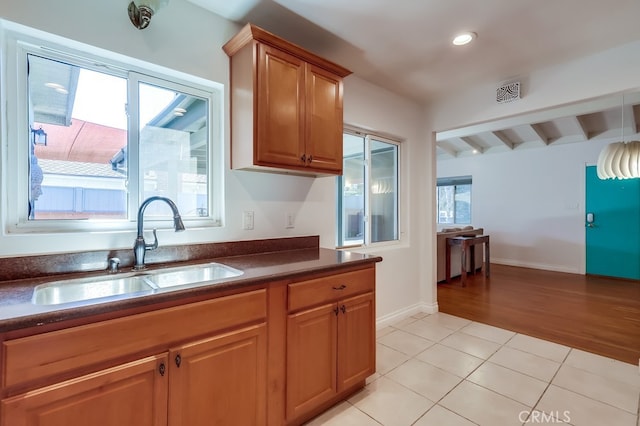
x=17, y=311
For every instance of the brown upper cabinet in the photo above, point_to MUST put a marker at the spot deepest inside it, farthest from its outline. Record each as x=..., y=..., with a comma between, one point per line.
x=286, y=106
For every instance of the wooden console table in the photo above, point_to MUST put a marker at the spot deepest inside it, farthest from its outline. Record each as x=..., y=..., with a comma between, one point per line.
x=467, y=247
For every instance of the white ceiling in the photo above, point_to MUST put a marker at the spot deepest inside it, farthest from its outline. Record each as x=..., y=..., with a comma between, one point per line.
x=405, y=46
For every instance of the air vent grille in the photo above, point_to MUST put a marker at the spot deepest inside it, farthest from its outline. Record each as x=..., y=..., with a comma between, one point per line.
x=508, y=92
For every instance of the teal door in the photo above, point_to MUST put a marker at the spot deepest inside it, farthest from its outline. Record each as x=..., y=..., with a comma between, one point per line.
x=612, y=226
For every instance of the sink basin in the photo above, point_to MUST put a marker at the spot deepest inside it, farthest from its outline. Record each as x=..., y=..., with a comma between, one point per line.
x=188, y=275
x=59, y=292
x=145, y=282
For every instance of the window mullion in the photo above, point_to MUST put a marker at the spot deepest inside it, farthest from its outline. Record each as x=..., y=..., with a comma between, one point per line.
x=367, y=191
x=134, y=178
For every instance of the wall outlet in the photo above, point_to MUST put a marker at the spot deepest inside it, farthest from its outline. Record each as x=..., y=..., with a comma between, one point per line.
x=247, y=220
x=289, y=221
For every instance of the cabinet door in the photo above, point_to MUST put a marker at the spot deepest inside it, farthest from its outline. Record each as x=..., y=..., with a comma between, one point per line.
x=356, y=340
x=220, y=380
x=323, y=120
x=311, y=358
x=280, y=109
x=131, y=394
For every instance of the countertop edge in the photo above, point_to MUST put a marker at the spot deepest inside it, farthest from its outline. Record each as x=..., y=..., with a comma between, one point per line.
x=175, y=297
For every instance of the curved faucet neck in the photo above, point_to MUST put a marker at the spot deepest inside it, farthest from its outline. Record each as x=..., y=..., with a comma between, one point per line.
x=148, y=201
x=140, y=246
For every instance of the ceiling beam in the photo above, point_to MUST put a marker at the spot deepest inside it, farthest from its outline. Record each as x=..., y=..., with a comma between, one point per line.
x=539, y=133
x=452, y=152
x=581, y=127
x=581, y=108
x=477, y=148
x=629, y=118
x=502, y=138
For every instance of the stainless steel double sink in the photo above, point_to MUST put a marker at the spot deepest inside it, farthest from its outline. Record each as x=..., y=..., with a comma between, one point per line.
x=131, y=283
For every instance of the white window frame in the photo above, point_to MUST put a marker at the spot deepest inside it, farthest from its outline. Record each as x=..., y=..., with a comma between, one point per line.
x=368, y=137
x=17, y=43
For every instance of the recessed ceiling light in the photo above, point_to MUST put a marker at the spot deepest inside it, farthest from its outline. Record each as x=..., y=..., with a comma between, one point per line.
x=464, y=38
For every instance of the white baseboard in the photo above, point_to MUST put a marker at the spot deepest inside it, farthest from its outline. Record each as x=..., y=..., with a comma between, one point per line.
x=399, y=315
x=543, y=266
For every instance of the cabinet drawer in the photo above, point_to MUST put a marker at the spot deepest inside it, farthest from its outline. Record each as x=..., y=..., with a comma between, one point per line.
x=327, y=289
x=58, y=353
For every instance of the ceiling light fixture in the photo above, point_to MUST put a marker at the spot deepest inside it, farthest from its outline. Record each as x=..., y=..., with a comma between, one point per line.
x=619, y=160
x=464, y=38
x=141, y=11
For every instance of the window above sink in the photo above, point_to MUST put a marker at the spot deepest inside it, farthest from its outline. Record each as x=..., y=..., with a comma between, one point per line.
x=97, y=133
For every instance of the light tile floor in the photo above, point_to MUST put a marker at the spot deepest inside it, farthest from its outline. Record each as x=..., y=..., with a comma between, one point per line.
x=443, y=370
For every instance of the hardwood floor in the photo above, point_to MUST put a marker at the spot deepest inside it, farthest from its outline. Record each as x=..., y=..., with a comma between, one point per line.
x=596, y=314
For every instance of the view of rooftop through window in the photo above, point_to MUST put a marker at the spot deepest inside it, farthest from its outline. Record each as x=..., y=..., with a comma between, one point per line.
x=81, y=144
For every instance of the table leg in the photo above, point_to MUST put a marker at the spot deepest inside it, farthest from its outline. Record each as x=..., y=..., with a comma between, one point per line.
x=447, y=261
x=472, y=259
x=487, y=257
x=463, y=263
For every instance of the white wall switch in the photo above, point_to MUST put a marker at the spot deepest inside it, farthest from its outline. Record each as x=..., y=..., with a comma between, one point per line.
x=290, y=220
x=247, y=220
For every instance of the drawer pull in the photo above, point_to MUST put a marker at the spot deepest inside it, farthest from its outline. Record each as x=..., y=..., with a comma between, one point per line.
x=178, y=360
x=342, y=287
x=161, y=369
x=335, y=311
x=343, y=309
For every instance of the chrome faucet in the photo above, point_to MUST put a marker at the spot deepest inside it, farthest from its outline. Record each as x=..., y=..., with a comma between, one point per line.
x=140, y=247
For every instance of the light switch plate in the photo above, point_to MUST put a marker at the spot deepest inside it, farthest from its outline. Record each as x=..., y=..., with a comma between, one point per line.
x=290, y=220
x=247, y=220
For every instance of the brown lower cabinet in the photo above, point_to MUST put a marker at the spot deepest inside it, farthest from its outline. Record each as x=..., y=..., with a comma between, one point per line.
x=134, y=393
x=329, y=350
x=331, y=346
x=276, y=355
x=219, y=381
x=201, y=363
x=215, y=381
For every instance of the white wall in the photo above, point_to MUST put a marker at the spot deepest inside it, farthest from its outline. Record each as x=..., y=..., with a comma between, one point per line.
x=188, y=39
x=531, y=201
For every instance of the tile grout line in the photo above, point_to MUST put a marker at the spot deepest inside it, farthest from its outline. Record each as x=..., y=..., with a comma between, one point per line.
x=598, y=375
x=548, y=385
x=493, y=391
x=638, y=411
x=461, y=379
x=485, y=360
